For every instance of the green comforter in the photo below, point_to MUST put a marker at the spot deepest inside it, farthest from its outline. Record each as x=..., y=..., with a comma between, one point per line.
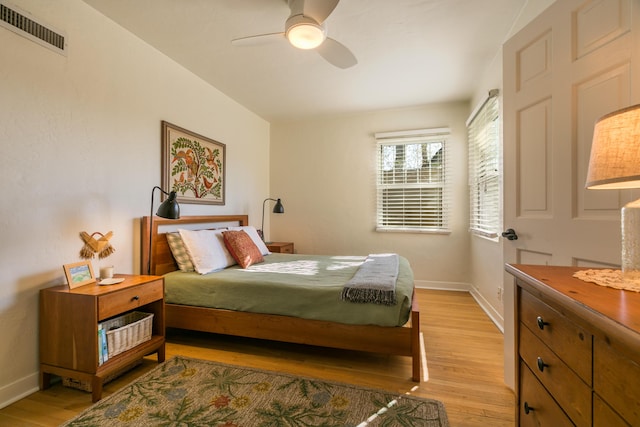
x=307, y=286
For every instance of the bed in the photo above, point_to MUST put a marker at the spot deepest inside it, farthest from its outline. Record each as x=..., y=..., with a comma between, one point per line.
x=402, y=339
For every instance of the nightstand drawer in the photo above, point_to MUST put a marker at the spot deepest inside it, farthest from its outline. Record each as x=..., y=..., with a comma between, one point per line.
x=128, y=299
x=281, y=247
x=559, y=334
x=286, y=249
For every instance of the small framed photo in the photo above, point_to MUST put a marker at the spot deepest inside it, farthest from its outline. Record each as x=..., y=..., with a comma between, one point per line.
x=79, y=274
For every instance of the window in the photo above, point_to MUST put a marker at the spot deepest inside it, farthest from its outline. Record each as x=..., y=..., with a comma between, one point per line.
x=484, y=168
x=412, y=181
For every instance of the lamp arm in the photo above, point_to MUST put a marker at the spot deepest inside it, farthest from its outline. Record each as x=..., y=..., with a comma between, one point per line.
x=263, y=204
x=151, y=227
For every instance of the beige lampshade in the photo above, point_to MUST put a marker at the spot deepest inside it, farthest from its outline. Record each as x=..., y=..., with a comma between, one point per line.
x=615, y=151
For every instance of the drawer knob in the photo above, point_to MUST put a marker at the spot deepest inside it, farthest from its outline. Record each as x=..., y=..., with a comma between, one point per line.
x=527, y=408
x=135, y=298
x=541, y=364
x=541, y=323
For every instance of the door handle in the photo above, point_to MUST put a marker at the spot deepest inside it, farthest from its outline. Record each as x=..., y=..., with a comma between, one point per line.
x=510, y=234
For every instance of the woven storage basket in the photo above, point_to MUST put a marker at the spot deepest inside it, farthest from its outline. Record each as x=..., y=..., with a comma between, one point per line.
x=127, y=331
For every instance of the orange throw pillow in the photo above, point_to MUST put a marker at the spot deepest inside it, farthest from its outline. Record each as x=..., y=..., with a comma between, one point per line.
x=242, y=248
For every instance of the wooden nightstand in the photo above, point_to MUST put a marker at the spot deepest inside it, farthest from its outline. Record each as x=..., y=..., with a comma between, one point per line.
x=69, y=328
x=280, y=247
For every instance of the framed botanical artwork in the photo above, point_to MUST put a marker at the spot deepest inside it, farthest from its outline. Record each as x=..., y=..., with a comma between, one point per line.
x=79, y=274
x=193, y=166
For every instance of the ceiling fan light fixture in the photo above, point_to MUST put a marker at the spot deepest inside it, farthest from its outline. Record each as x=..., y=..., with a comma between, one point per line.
x=306, y=35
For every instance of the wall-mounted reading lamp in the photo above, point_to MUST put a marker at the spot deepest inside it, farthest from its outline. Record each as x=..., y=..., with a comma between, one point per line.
x=168, y=209
x=278, y=208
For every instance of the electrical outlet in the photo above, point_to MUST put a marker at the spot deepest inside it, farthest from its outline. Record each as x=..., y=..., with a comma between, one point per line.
x=500, y=290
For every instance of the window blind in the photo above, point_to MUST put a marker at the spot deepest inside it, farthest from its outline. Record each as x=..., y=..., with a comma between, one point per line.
x=484, y=168
x=412, y=178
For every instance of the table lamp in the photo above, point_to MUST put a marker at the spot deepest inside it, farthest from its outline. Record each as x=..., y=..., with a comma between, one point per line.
x=615, y=164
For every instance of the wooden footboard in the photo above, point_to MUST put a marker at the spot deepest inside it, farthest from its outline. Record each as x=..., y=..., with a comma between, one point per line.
x=402, y=341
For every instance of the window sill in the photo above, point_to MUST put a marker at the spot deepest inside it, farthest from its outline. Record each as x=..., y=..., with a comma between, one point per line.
x=411, y=230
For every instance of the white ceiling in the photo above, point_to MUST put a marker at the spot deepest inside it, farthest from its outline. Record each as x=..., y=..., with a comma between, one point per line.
x=410, y=52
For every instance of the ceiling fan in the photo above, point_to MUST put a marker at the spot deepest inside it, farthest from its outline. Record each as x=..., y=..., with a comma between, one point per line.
x=304, y=29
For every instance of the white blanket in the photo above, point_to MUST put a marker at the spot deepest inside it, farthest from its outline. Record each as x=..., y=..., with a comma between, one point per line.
x=374, y=281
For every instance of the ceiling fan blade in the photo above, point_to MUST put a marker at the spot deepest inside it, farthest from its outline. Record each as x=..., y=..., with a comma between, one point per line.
x=336, y=53
x=319, y=9
x=258, y=40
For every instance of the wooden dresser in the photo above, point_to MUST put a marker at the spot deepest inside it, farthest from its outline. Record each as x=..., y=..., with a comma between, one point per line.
x=578, y=350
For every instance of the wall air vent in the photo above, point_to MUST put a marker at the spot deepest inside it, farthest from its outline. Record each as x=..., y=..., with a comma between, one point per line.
x=18, y=21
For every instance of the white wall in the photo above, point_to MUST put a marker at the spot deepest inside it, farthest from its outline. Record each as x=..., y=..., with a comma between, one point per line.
x=324, y=171
x=80, y=142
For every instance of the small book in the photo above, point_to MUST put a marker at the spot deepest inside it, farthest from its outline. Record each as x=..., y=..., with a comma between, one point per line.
x=100, y=353
x=105, y=350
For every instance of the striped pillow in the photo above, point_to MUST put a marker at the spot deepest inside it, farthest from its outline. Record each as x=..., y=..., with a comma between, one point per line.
x=179, y=251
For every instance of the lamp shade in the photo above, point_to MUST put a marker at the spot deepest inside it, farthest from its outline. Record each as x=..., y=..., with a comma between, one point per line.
x=169, y=208
x=615, y=151
x=278, y=208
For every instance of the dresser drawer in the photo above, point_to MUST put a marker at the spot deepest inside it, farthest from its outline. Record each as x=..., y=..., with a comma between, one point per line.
x=565, y=386
x=130, y=298
x=604, y=416
x=558, y=333
x=542, y=409
x=617, y=381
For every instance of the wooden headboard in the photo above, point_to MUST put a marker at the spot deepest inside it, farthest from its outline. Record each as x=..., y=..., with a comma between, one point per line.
x=162, y=261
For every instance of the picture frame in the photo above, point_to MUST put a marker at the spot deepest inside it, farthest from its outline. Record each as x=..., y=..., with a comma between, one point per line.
x=79, y=274
x=193, y=166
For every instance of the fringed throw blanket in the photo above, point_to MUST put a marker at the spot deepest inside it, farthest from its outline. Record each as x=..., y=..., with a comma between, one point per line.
x=374, y=281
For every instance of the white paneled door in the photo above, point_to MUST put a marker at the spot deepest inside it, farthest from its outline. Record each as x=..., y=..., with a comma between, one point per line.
x=575, y=62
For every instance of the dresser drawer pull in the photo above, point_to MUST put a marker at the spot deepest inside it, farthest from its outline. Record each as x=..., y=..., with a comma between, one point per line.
x=135, y=298
x=541, y=323
x=527, y=408
x=541, y=364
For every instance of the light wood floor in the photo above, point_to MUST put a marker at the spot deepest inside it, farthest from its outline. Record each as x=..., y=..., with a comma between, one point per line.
x=463, y=352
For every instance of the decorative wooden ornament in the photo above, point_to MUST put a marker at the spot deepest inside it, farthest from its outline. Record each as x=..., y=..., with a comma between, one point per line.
x=93, y=246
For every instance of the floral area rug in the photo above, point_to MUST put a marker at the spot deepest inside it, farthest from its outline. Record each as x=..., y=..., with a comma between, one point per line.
x=190, y=392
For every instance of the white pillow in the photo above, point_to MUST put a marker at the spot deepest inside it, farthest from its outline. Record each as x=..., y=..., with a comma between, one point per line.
x=207, y=250
x=253, y=233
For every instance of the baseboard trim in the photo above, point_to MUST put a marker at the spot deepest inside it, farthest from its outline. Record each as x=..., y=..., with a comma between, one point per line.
x=17, y=390
x=443, y=286
x=493, y=314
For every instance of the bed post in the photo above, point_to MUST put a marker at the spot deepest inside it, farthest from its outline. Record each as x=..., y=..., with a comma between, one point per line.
x=416, y=347
x=144, y=243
